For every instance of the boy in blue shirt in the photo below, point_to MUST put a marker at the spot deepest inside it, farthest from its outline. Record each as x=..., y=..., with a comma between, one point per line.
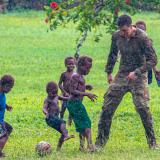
x=6, y=84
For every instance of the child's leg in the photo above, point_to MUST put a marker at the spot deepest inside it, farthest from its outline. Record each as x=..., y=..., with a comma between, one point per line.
x=63, y=109
x=90, y=146
x=60, y=142
x=88, y=137
x=69, y=120
x=64, y=136
x=7, y=128
x=82, y=142
x=3, y=141
x=65, y=132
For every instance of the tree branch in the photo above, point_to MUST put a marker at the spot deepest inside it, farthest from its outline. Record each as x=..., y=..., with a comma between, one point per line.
x=98, y=6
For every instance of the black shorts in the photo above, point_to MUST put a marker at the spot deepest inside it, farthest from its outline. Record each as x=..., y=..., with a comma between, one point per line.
x=5, y=129
x=55, y=122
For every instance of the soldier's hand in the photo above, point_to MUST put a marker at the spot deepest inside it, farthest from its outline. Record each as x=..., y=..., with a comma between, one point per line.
x=132, y=76
x=110, y=78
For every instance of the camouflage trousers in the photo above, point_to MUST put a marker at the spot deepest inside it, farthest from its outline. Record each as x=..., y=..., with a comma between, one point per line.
x=112, y=99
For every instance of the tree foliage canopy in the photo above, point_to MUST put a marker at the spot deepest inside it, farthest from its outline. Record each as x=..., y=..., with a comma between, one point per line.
x=88, y=14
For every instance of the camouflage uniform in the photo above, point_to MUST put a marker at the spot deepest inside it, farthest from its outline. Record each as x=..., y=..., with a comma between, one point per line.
x=137, y=54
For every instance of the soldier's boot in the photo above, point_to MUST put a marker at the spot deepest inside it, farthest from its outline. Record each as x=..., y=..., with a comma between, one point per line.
x=153, y=145
x=147, y=121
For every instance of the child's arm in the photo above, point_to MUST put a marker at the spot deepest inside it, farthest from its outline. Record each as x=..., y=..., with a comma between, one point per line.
x=9, y=108
x=60, y=84
x=45, y=108
x=74, y=86
x=63, y=98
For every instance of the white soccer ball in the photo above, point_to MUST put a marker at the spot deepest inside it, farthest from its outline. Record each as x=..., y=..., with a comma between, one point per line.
x=43, y=148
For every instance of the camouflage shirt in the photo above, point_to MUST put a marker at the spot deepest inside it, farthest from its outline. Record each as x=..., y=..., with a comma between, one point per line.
x=137, y=53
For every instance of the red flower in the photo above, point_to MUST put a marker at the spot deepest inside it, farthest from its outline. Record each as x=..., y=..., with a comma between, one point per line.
x=127, y=1
x=47, y=20
x=54, y=5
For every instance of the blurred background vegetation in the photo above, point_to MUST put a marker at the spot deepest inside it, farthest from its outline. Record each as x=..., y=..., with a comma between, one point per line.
x=149, y=5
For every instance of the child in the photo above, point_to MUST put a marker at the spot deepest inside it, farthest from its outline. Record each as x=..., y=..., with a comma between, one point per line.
x=75, y=106
x=64, y=84
x=6, y=84
x=142, y=25
x=51, y=110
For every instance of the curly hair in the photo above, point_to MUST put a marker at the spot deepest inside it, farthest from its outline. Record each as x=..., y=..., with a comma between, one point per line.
x=7, y=79
x=124, y=20
x=67, y=59
x=51, y=86
x=83, y=60
x=141, y=23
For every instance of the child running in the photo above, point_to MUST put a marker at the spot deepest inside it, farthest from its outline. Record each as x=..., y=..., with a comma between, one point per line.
x=76, y=108
x=51, y=110
x=6, y=84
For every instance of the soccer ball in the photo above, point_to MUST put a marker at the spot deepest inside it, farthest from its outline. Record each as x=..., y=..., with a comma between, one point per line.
x=43, y=148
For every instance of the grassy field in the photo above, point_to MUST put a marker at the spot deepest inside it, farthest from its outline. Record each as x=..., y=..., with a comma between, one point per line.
x=34, y=57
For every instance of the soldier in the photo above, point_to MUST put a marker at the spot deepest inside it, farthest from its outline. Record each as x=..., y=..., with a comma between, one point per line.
x=137, y=56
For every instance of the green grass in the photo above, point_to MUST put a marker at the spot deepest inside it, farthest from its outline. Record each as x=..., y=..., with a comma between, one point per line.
x=34, y=57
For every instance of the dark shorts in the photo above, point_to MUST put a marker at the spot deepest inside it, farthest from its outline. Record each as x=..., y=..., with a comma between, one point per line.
x=55, y=122
x=5, y=129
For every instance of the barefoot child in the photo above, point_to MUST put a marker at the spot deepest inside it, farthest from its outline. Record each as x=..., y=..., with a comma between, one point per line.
x=51, y=110
x=142, y=26
x=64, y=84
x=76, y=108
x=6, y=84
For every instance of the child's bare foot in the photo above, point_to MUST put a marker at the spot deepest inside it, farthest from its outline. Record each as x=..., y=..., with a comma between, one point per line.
x=2, y=154
x=82, y=149
x=68, y=137
x=91, y=148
